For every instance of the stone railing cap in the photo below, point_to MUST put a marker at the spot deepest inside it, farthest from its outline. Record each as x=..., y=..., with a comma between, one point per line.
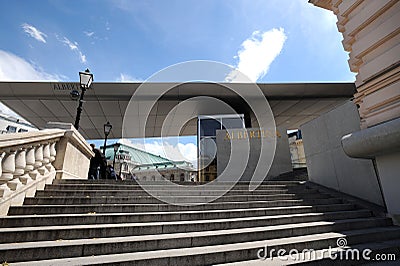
x=59, y=125
x=371, y=142
x=24, y=138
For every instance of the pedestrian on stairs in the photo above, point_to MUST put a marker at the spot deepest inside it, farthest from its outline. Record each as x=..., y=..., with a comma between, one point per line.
x=97, y=165
x=111, y=173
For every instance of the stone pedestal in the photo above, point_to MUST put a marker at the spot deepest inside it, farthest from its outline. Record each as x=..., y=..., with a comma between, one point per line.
x=382, y=144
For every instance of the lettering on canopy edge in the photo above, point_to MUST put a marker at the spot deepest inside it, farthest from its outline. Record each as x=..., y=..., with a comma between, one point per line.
x=251, y=134
x=66, y=86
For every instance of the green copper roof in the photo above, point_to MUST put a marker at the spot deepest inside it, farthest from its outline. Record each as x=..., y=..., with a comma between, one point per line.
x=138, y=156
x=146, y=161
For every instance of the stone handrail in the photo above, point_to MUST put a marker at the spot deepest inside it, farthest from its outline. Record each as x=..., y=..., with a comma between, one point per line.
x=373, y=141
x=30, y=160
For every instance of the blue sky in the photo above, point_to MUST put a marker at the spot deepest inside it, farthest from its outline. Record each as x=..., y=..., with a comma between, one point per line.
x=130, y=40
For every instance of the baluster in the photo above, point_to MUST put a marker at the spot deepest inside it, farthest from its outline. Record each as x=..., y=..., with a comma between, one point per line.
x=8, y=168
x=20, y=164
x=3, y=186
x=1, y=160
x=39, y=160
x=53, y=152
x=30, y=163
x=46, y=157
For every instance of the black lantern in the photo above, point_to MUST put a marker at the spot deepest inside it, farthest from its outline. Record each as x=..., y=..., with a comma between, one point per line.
x=107, y=130
x=85, y=80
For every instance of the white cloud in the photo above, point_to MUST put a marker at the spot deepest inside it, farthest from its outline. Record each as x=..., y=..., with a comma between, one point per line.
x=15, y=68
x=82, y=57
x=256, y=55
x=174, y=151
x=189, y=151
x=89, y=33
x=168, y=148
x=34, y=33
x=74, y=47
x=127, y=78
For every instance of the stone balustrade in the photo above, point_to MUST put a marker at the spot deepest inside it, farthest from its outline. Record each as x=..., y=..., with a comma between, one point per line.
x=30, y=160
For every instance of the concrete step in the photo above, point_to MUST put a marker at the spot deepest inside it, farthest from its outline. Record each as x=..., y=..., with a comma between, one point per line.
x=173, y=199
x=41, y=233
x=214, y=254
x=86, y=247
x=132, y=182
x=123, y=186
x=119, y=208
x=80, y=222
x=183, y=192
x=186, y=192
x=108, y=218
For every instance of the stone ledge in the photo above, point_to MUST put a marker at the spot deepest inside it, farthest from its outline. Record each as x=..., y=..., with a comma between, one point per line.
x=28, y=138
x=374, y=141
x=73, y=135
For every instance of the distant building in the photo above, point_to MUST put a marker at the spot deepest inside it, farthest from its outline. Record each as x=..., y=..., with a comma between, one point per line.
x=146, y=166
x=296, y=147
x=9, y=124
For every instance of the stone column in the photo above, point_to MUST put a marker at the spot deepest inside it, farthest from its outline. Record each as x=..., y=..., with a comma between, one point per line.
x=8, y=168
x=1, y=160
x=46, y=156
x=20, y=164
x=2, y=188
x=39, y=160
x=25, y=178
x=53, y=152
x=30, y=163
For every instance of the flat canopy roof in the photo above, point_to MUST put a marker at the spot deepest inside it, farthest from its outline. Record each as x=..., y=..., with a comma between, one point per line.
x=293, y=104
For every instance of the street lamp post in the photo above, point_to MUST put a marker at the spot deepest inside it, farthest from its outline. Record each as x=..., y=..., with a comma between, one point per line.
x=121, y=162
x=107, y=130
x=116, y=147
x=86, y=79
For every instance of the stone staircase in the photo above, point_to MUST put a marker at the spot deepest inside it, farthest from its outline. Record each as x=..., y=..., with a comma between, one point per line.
x=82, y=222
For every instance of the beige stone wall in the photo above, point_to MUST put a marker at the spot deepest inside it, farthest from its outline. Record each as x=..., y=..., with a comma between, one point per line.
x=73, y=157
x=371, y=34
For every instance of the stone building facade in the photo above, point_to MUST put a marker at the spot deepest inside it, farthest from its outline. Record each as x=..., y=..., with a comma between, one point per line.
x=134, y=163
